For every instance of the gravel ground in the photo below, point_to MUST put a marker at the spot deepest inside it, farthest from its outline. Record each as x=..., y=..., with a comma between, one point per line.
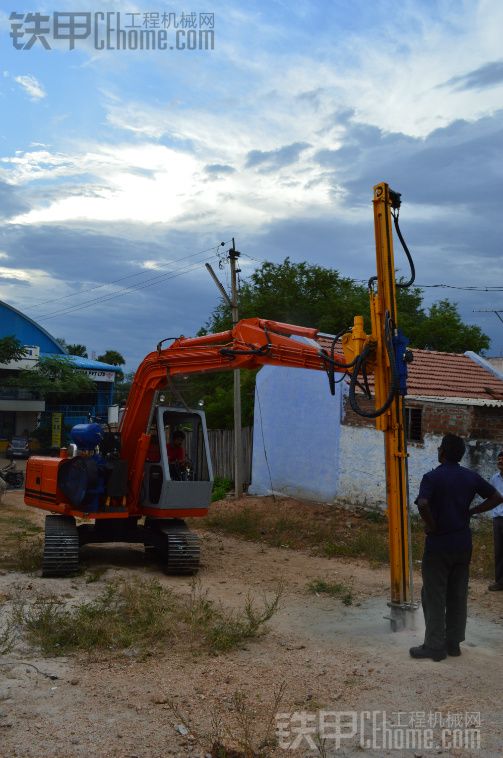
x=326, y=656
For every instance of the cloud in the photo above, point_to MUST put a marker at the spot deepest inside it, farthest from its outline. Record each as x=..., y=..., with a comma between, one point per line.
x=78, y=261
x=454, y=167
x=488, y=75
x=219, y=169
x=282, y=156
x=11, y=202
x=31, y=86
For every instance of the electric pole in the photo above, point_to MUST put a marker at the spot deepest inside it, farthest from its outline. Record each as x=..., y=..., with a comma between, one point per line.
x=491, y=310
x=238, y=446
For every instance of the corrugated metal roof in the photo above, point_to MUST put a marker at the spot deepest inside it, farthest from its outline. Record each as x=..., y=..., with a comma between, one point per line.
x=87, y=363
x=434, y=374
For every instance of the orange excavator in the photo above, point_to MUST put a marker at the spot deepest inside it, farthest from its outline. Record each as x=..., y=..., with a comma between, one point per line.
x=125, y=488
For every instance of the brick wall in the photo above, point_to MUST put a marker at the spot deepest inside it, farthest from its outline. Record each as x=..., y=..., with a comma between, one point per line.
x=487, y=424
x=445, y=418
x=468, y=421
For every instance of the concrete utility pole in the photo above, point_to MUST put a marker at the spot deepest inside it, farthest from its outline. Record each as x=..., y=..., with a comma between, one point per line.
x=238, y=446
x=233, y=303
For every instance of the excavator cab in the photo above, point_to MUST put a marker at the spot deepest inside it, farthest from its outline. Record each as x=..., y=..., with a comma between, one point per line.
x=178, y=474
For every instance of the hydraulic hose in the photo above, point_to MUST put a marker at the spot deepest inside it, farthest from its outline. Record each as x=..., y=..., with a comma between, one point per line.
x=360, y=366
x=403, y=285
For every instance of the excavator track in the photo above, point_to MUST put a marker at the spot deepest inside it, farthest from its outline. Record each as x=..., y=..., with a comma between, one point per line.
x=61, y=547
x=180, y=551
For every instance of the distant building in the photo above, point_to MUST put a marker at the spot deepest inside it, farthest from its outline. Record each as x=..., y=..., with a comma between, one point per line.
x=20, y=409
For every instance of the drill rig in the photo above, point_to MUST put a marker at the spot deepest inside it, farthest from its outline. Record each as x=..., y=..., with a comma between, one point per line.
x=130, y=495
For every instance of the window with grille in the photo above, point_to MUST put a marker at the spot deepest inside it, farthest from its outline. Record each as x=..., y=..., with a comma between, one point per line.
x=413, y=423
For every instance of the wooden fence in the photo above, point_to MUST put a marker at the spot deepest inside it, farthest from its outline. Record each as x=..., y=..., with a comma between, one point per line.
x=222, y=452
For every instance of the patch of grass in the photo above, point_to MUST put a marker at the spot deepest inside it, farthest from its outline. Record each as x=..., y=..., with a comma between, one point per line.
x=370, y=544
x=94, y=575
x=20, y=524
x=123, y=616
x=29, y=555
x=221, y=487
x=335, y=589
x=245, y=523
x=483, y=550
x=375, y=517
x=141, y=616
x=219, y=629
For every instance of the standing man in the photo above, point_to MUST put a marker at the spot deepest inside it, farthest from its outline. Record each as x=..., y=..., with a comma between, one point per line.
x=497, y=514
x=444, y=499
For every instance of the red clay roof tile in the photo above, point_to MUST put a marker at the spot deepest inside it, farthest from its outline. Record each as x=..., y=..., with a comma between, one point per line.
x=436, y=374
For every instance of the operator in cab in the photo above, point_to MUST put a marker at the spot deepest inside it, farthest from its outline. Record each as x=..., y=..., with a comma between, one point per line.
x=176, y=454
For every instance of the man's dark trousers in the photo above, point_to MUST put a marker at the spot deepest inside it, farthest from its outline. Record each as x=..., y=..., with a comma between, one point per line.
x=444, y=597
x=498, y=549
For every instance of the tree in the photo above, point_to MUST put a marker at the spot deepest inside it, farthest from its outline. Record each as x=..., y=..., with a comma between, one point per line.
x=112, y=357
x=123, y=386
x=55, y=378
x=77, y=349
x=442, y=329
x=298, y=293
x=310, y=295
x=11, y=349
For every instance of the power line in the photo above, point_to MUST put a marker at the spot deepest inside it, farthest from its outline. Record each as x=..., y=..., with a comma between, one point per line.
x=125, y=291
x=468, y=288
x=122, y=278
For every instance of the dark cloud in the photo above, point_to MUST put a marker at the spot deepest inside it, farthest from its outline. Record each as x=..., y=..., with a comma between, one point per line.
x=489, y=75
x=270, y=160
x=10, y=202
x=455, y=165
x=219, y=168
x=80, y=259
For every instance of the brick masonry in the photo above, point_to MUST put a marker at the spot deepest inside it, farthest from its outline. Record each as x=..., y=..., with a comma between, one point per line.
x=362, y=479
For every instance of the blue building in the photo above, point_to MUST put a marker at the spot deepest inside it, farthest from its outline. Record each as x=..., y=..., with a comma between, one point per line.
x=20, y=409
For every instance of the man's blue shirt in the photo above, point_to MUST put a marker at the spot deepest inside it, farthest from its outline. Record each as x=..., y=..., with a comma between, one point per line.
x=449, y=490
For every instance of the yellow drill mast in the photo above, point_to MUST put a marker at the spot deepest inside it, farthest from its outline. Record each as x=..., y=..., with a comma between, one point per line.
x=384, y=317
x=384, y=354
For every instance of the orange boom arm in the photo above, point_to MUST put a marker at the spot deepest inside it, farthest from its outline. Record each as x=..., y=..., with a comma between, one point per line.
x=251, y=344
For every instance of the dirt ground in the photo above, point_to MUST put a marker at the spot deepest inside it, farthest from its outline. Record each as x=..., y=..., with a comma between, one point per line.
x=328, y=657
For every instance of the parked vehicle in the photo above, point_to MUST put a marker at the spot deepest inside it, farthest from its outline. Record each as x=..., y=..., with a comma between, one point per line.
x=18, y=447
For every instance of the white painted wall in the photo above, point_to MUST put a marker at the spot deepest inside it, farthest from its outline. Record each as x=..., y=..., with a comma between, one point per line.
x=301, y=449
x=295, y=435
x=361, y=462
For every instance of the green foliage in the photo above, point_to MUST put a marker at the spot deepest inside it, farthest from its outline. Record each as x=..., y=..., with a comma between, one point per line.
x=335, y=589
x=443, y=330
x=112, y=357
x=142, y=616
x=310, y=295
x=221, y=487
x=123, y=385
x=55, y=377
x=297, y=293
x=115, y=359
x=11, y=349
x=76, y=349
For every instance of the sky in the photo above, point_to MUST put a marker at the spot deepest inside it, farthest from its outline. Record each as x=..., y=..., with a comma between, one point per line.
x=123, y=170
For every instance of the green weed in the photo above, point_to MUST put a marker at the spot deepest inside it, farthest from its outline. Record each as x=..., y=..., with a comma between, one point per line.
x=142, y=616
x=335, y=589
x=221, y=487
